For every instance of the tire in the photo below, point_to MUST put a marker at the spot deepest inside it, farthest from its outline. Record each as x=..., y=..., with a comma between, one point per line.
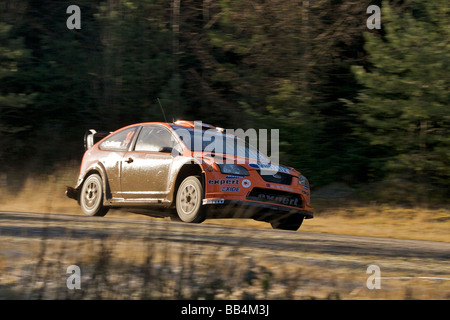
x=91, y=197
x=189, y=200
x=292, y=222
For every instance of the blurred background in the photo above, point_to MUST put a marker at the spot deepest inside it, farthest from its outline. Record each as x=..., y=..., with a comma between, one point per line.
x=360, y=112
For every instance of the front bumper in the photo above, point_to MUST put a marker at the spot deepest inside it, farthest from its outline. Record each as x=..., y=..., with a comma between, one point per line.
x=255, y=207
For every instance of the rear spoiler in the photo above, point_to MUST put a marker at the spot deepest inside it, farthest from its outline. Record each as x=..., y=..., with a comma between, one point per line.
x=91, y=137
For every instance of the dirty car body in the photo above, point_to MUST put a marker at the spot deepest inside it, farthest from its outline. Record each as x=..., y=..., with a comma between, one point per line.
x=160, y=168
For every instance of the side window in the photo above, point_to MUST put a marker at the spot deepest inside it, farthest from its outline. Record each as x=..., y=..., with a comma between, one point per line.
x=154, y=138
x=119, y=141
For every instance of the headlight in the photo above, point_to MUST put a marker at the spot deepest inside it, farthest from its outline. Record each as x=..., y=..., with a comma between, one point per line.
x=303, y=181
x=233, y=169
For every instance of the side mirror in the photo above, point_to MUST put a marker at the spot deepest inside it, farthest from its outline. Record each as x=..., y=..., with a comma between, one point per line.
x=173, y=151
x=165, y=149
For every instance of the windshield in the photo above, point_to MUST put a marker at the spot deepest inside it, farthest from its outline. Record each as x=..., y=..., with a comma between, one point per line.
x=218, y=142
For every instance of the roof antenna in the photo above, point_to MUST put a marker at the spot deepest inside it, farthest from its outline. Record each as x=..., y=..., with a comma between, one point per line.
x=162, y=109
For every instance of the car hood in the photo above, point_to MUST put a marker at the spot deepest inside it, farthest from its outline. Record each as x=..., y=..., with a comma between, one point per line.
x=249, y=164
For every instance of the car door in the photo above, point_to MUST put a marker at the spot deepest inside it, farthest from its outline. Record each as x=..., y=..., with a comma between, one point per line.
x=146, y=169
x=111, y=153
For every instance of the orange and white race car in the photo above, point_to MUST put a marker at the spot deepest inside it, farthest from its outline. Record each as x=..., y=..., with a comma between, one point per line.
x=170, y=169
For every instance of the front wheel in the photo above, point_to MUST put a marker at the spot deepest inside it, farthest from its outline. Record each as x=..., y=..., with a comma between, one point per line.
x=189, y=200
x=291, y=222
x=91, y=197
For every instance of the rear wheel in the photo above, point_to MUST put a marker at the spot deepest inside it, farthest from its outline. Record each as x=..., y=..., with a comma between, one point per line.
x=91, y=197
x=292, y=222
x=189, y=200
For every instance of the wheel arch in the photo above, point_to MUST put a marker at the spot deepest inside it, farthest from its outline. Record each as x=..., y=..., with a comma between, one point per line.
x=188, y=169
x=99, y=169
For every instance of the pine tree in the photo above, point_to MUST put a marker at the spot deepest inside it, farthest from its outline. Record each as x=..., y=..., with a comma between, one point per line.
x=13, y=103
x=137, y=63
x=404, y=106
x=294, y=80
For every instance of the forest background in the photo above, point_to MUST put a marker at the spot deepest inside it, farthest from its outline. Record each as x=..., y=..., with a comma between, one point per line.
x=364, y=108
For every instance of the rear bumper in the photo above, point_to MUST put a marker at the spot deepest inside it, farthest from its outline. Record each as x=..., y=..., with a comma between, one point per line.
x=255, y=207
x=72, y=193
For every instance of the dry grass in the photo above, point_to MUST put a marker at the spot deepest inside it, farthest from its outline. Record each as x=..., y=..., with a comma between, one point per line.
x=119, y=268
x=384, y=221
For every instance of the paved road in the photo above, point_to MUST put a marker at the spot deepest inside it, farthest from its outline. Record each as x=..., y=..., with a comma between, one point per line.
x=38, y=225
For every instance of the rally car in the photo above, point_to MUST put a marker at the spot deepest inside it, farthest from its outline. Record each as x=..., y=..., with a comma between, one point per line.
x=170, y=169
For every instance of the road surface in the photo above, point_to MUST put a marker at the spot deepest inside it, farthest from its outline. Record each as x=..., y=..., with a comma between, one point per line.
x=37, y=225
x=332, y=261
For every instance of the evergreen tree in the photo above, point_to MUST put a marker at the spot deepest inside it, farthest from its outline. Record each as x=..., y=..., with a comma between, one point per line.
x=404, y=107
x=138, y=63
x=14, y=103
x=295, y=78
